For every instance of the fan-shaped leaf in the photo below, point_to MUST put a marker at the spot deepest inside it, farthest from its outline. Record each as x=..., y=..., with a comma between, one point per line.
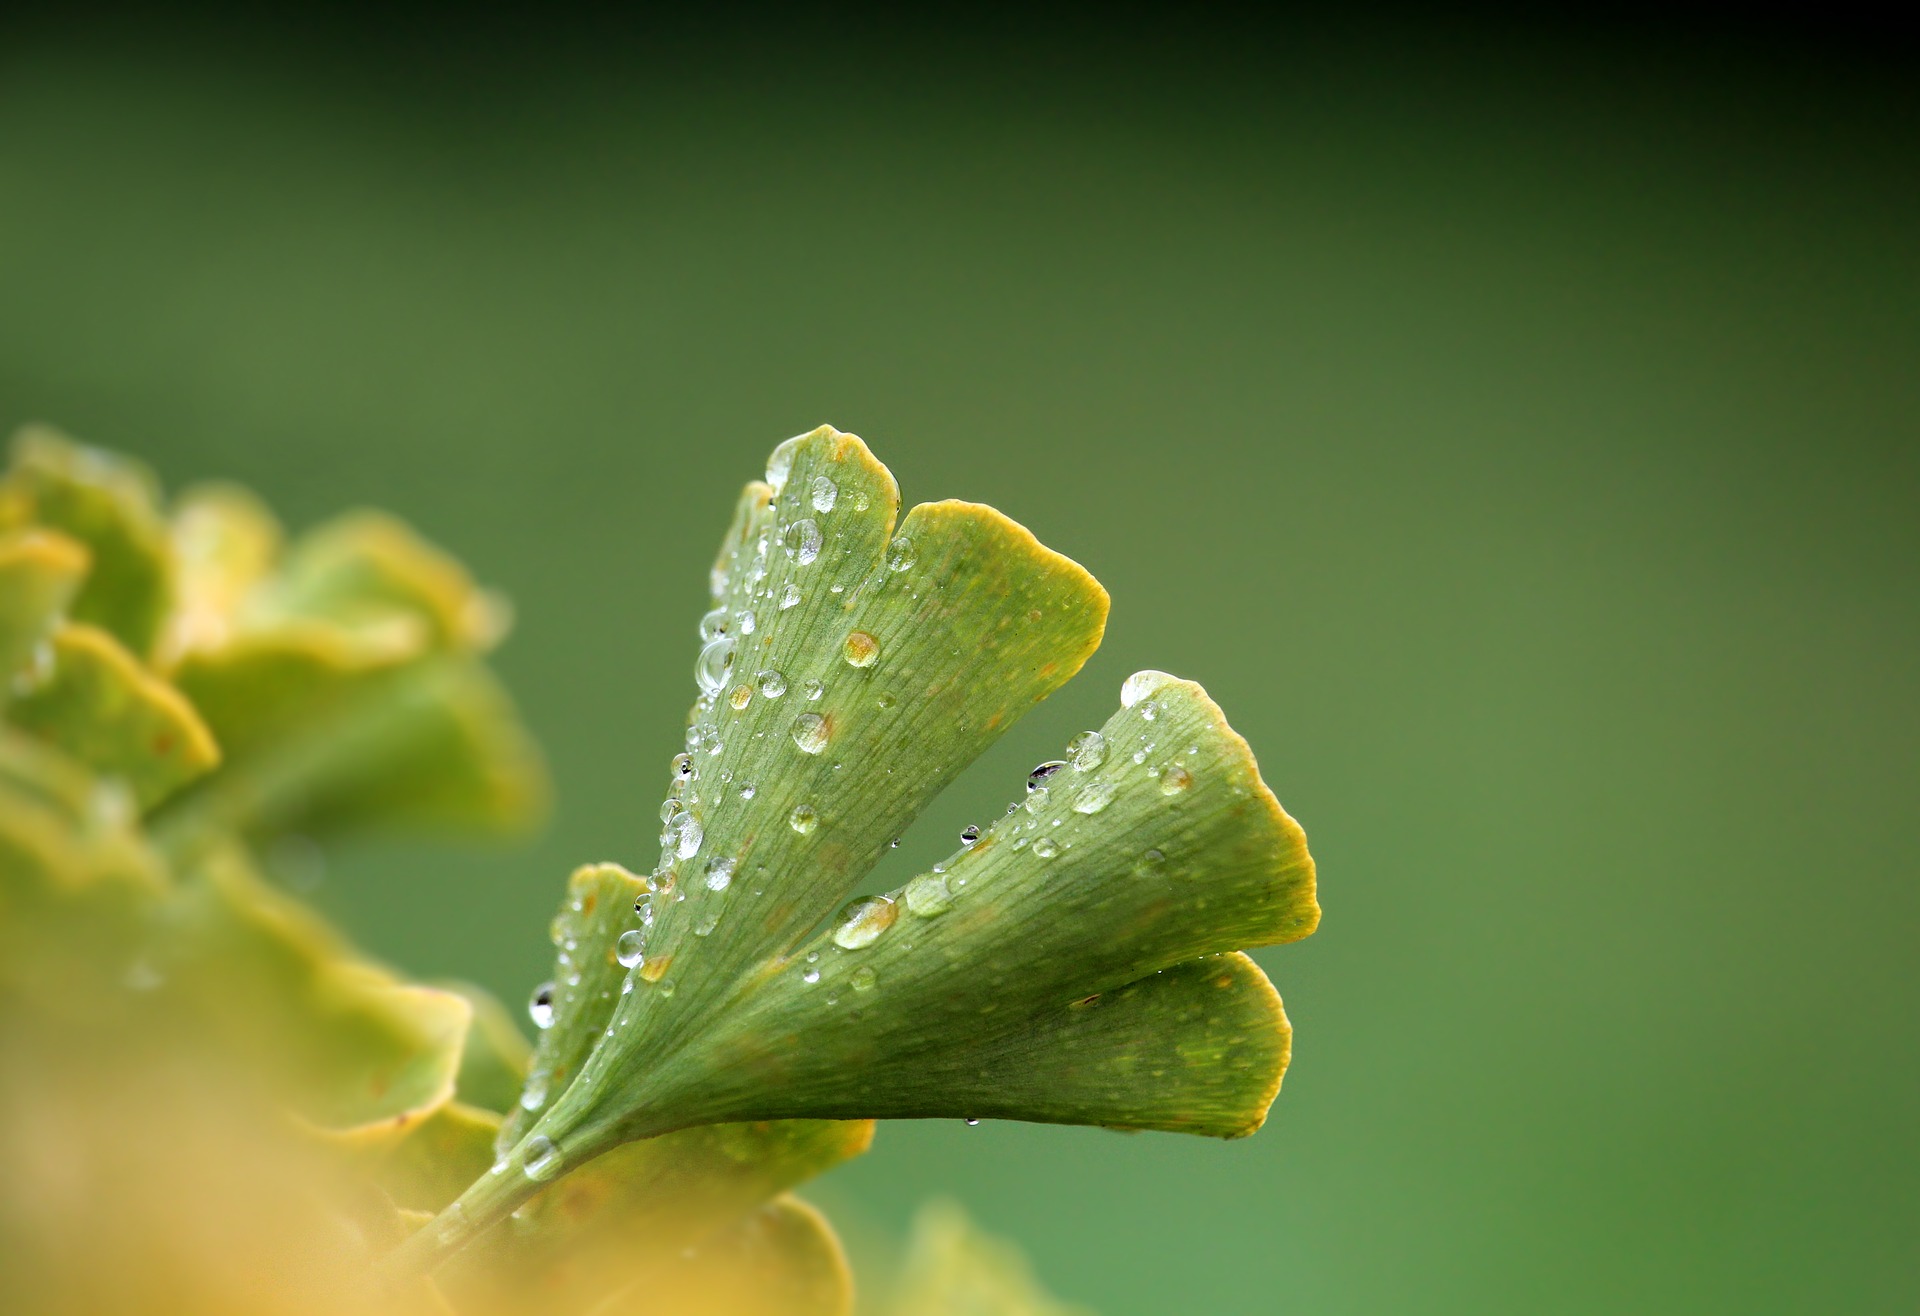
x=39, y=574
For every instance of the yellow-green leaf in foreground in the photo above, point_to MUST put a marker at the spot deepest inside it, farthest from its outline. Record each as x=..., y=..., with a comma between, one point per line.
x=226, y=544
x=493, y=1063
x=39, y=574
x=782, y=1260
x=97, y=702
x=111, y=504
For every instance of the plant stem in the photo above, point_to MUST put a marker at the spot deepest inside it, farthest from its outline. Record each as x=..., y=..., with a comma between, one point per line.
x=487, y=1201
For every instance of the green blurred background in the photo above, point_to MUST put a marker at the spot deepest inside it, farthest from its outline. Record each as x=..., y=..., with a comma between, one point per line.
x=1517, y=431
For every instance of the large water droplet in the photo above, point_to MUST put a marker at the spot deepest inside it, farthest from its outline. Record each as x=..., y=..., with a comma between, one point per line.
x=720, y=872
x=1175, y=779
x=810, y=977
x=864, y=978
x=825, y=493
x=1045, y=847
x=861, y=922
x=780, y=464
x=1039, y=775
x=543, y=1158
x=739, y=697
x=540, y=1006
x=682, y=767
x=691, y=834
x=969, y=835
x=747, y=622
x=710, y=672
x=772, y=684
x=748, y=790
x=1094, y=798
x=813, y=688
x=802, y=540
x=810, y=732
x=862, y=649
x=1037, y=797
x=901, y=554
x=803, y=819
x=927, y=896
x=715, y=624
x=1140, y=685
x=631, y=948
x=789, y=596
x=1088, y=750
x=533, y=1094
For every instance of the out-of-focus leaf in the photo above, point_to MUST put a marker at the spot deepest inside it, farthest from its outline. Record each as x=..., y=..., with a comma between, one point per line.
x=349, y=1048
x=97, y=702
x=782, y=1260
x=363, y=568
x=111, y=504
x=493, y=1063
x=39, y=574
x=226, y=543
x=439, y=1157
x=954, y=1269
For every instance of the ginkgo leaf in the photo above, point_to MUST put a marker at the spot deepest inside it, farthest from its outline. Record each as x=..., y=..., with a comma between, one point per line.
x=226, y=543
x=351, y=1049
x=954, y=1269
x=493, y=1063
x=1070, y=965
x=637, y=1210
x=99, y=703
x=782, y=1260
x=439, y=1156
x=40, y=572
x=111, y=504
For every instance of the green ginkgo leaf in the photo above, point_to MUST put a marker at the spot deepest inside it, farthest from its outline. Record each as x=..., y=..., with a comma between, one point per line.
x=1070, y=965
x=493, y=1063
x=40, y=572
x=111, y=504
x=97, y=702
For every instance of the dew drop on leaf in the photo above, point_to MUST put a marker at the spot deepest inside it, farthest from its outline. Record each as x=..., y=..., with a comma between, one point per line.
x=631, y=948
x=810, y=733
x=861, y=922
x=968, y=835
x=540, y=1006
x=927, y=896
x=691, y=834
x=824, y=492
x=1094, y=798
x=803, y=819
x=713, y=625
x=747, y=622
x=1175, y=779
x=814, y=689
x=901, y=554
x=543, y=1158
x=682, y=768
x=789, y=596
x=534, y=1094
x=862, y=649
x=772, y=684
x=780, y=464
x=1088, y=751
x=710, y=671
x=1041, y=773
x=740, y=696
x=1045, y=847
x=1140, y=685
x=810, y=976
x=720, y=872
x=864, y=978
x=801, y=539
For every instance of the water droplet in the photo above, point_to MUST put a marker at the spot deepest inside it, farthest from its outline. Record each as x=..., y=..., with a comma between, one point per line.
x=708, y=922
x=861, y=922
x=740, y=696
x=1140, y=685
x=864, y=978
x=720, y=872
x=631, y=948
x=747, y=623
x=810, y=976
x=748, y=790
x=543, y=1158
x=802, y=540
x=714, y=625
x=825, y=493
x=1088, y=751
x=533, y=1094
x=1041, y=773
x=789, y=596
x=884, y=701
x=643, y=908
x=710, y=671
x=691, y=834
x=1094, y=798
x=1037, y=797
x=1152, y=859
x=973, y=1124
x=862, y=649
x=661, y=882
x=682, y=768
x=1175, y=779
x=810, y=732
x=780, y=464
x=655, y=969
x=813, y=688
x=968, y=835
x=540, y=1006
x=1150, y=710
x=1045, y=847
x=803, y=818
x=772, y=684
x=901, y=554
x=927, y=896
